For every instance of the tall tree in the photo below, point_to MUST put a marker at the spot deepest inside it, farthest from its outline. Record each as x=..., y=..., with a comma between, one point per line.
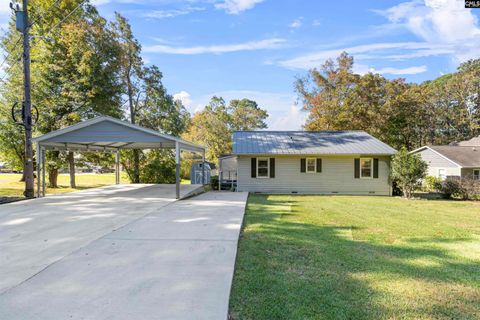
x=131, y=76
x=214, y=125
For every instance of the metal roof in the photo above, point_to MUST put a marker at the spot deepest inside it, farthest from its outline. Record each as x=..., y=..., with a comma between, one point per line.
x=308, y=142
x=110, y=134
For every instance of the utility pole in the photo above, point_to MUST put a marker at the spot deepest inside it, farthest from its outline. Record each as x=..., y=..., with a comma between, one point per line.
x=24, y=27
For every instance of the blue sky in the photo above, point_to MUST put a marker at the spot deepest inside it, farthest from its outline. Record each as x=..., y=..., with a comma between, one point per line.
x=256, y=48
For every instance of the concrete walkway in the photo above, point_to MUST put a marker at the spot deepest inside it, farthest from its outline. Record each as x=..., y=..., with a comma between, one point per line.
x=175, y=263
x=35, y=233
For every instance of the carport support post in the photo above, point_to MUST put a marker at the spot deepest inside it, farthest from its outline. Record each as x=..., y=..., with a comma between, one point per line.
x=177, y=170
x=42, y=151
x=203, y=169
x=117, y=167
x=39, y=156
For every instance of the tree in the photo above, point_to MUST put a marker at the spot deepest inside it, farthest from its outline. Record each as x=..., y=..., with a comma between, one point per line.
x=131, y=65
x=407, y=171
x=214, y=125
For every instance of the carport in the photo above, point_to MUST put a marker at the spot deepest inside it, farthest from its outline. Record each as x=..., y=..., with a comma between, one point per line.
x=107, y=134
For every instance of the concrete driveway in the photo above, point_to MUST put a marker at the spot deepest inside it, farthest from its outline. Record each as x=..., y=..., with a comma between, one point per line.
x=176, y=262
x=35, y=233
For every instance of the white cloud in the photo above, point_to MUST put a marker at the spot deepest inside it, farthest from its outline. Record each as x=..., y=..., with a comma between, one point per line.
x=283, y=113
x=162, y=14
x=402, y=71
x=316, y=23
x=444, y=23
x=361, y=52
x=217, y=49
x=297, y=23
x=237, y=6
x=184, y=97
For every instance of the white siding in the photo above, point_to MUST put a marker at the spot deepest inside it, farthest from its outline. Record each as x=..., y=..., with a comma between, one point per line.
x=436, y=162
x=337, y=176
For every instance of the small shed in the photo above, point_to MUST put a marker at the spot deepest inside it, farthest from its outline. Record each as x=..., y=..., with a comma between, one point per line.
x=199, y=170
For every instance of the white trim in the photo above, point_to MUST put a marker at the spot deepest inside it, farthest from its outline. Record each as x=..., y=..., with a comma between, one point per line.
x=371, y=168
x=315, y=165
x=441, y=155
x=268, y=168
x=438, y=173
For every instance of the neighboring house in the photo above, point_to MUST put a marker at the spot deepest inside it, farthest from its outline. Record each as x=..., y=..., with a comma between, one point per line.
x=315, y=162
x=452, y=160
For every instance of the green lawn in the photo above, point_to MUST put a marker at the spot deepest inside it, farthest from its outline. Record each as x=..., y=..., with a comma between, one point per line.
x=10, y=185
x=340, y=257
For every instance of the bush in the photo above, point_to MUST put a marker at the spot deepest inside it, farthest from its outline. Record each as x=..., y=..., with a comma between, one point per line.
x=465, y=188
x=432, y=184
x=407, y=171
x=214, y=182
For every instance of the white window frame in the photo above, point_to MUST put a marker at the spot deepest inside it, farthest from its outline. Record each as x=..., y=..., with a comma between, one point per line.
x=478, y=174
x=438, y=173
x=371, y=168
x=315, y=165
x=268, y=168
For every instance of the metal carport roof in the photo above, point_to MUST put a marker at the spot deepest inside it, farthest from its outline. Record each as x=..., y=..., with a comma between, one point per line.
x=108, y=134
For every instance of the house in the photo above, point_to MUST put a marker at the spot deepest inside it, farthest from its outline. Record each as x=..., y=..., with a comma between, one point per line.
x=458, y=160
x=312, y=162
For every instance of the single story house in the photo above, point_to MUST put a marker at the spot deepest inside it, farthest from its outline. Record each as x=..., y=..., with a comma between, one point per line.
x=312, y=162
x=452, y=160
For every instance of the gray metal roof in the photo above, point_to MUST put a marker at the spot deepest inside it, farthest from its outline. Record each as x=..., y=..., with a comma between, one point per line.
x=110, y=134
x=308, y=142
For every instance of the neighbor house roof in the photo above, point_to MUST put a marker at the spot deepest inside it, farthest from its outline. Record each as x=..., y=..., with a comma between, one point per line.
x=466, y=157
x=308, y=142
x=474, y=142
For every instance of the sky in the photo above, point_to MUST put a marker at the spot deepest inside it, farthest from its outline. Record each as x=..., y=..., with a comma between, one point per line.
x=256, y=49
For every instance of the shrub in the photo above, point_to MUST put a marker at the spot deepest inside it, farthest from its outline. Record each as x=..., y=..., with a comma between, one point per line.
x=214, y=182
x=465, y=188
x=407, y=171
x=432, y=184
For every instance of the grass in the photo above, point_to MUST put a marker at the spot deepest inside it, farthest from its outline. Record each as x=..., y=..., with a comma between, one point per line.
x=10, y=185
x=340, y=257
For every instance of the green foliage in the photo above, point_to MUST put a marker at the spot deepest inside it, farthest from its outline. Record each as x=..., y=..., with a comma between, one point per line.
x=214, y=182
x=213, y=127
x=407, y=171
x=158, y=167
x=432, y=184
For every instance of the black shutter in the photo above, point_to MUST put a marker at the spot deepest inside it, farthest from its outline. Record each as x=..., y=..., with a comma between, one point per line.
x=319, y=165
x=272, y=167
x=254, y=167
x=375, y=168
x=303, y=165
x=357, y=168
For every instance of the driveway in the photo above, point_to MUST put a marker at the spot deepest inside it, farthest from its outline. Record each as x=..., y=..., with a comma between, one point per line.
x=176, y=262
x=35, y=233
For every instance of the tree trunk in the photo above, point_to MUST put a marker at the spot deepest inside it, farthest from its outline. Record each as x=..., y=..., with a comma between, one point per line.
x=53, y=177
x=71, y=163
x=22, y=179
x=136, y=166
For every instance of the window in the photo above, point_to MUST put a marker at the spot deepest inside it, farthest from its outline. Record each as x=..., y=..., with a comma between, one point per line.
x=263, y=168
x=311, y=165
x=476, y=174
x=366, y=168
x=442, y=173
